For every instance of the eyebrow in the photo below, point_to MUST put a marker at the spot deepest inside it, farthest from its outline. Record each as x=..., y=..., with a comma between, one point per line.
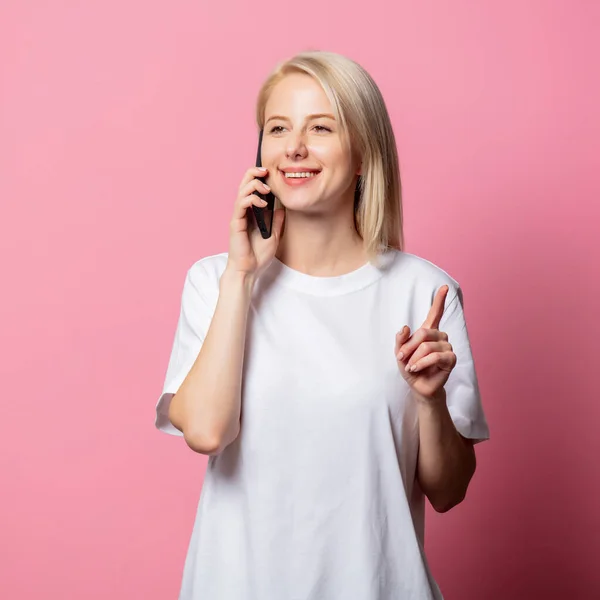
x=308, y=118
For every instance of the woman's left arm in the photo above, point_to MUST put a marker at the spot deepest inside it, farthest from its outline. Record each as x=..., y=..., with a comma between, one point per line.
x=446, y=461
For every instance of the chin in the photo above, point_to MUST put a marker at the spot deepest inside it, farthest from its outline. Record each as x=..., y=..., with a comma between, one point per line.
x=299, y=204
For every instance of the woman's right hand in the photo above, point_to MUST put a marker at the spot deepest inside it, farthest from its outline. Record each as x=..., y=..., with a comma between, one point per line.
x=249, y=253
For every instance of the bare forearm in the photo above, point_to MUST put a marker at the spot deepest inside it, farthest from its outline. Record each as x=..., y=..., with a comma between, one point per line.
x=206, y=407
x=446, y=461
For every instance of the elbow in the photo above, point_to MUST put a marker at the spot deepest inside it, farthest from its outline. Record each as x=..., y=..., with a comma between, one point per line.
x=210, y=445
x=447, y=502
x=196, y=438
x=203, y=444
x=459, y=493
x=441, y=507
x=455, y=493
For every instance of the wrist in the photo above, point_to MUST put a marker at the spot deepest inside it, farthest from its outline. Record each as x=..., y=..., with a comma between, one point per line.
x=436, y=401
x=237, y=280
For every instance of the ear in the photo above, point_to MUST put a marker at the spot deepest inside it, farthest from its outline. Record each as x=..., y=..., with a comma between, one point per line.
x=359, y=169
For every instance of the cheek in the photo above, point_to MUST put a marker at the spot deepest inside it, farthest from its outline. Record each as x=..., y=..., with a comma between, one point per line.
x=269, y=156
x=331, y=157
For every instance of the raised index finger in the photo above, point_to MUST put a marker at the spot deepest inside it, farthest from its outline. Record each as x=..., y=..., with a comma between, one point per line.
x=437, y=309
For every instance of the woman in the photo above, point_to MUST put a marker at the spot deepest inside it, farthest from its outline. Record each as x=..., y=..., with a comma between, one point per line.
x=327, y=373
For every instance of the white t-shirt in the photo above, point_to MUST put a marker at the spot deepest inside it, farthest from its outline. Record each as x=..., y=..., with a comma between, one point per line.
x=317, y=498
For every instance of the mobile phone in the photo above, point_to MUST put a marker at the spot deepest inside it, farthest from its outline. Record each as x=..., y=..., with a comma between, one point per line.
x=263, y=215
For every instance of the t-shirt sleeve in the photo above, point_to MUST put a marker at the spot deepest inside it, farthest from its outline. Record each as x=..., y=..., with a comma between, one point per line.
x=198, y=302
x=462, y=388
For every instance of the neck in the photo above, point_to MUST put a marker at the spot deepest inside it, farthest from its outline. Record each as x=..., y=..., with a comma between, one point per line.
x=321, y=245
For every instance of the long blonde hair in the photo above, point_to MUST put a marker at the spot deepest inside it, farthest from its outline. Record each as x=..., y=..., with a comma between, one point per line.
x=365, y=123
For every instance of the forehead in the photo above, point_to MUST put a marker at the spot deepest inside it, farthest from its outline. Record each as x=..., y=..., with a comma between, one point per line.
x=297, y=95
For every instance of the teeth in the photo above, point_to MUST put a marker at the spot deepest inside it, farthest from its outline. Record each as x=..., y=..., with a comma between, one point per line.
x=300, y=175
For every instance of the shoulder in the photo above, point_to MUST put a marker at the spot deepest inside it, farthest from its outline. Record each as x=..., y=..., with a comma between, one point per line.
x=204, y=274
x=419, y=272
x=209, y=266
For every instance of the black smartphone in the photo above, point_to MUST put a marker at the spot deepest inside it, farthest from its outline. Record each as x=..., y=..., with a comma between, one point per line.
x=263, y=215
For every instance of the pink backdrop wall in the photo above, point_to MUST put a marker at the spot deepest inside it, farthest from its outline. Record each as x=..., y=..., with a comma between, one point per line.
x=123, y=124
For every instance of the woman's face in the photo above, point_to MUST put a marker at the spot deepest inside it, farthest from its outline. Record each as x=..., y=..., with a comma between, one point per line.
x=310, y=168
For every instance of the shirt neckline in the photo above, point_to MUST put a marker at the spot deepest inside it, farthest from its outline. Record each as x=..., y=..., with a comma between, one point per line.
x=280, y=274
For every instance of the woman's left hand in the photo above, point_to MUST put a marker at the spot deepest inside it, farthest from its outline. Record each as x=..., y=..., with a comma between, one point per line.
x=426, y=354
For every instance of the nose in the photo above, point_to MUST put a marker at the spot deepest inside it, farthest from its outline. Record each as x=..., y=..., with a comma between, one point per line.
x=296, y=146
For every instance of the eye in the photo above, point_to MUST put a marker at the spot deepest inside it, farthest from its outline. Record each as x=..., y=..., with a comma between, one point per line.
x=321, y=128
x=276, y=129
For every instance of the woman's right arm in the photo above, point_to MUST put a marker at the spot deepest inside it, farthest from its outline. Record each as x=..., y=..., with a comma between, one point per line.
x=206, y=408
x=207, y=405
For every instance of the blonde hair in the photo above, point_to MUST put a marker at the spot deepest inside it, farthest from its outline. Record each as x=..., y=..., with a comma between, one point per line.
x=359, y=107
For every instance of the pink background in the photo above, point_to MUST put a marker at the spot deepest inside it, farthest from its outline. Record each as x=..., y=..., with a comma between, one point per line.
x=125, y=128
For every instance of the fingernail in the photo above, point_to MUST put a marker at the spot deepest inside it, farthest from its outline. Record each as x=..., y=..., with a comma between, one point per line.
x=261, y=168
x=400, y=355
x=407, y=368
x=267, y=187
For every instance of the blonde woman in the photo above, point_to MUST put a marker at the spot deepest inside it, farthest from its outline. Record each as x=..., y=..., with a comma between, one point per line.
x=326, y=372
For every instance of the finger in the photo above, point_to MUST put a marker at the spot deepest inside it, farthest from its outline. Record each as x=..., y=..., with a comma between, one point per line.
x=427, y=348
x=419, y=336
x=445, y=361
x=254, y=185
x=243, y=204
x=401, y=337
x=437, y=309
x=252, y=173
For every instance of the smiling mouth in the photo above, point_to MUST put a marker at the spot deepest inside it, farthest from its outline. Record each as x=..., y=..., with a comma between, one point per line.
x=298, y=179
x=304, y=175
